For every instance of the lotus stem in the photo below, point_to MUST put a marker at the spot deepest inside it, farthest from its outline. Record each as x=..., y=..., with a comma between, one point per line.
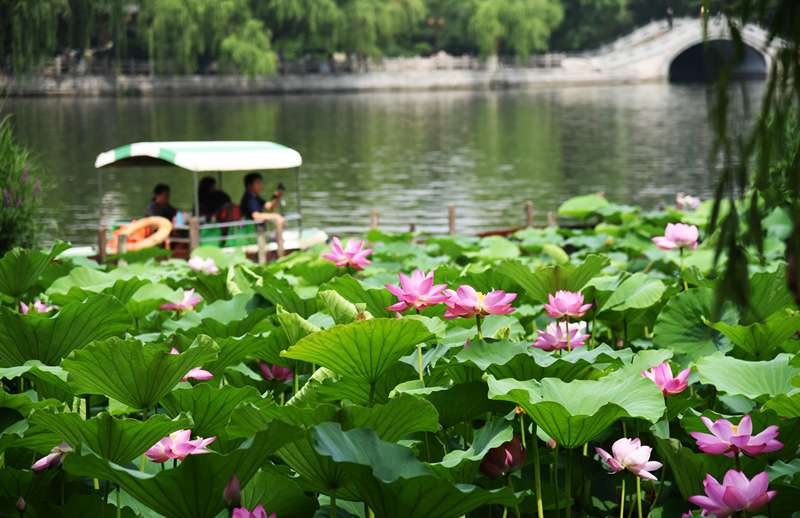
x=639, y=495
x=536, y=473
x=522, y=430
x=555, y=480
x=119, y=505
x=568, y=484
x=685, y=286
x=144, y=457
x=569, y=345
x=480, y=334
x=371, y=394
x=660, y=487
x=633, y=500
x=511, y=487
x=105, y=497
x=591, y=335
x=333, y=503
x=88, y=408
x=96, y=485
x=625, y=331
x=296, y=380
x=419, y=355
x=622, y=500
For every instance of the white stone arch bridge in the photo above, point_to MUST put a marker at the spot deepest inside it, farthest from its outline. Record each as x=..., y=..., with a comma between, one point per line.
x=656, y=53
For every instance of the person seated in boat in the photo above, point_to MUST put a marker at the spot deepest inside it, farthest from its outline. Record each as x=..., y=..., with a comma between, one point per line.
x=255, y=207
x=159, y=205
x=216, y=205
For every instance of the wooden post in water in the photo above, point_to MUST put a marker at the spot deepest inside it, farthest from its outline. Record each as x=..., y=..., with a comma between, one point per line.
x=551, y=219
x=528, y=213
x=452, y=219
x=194, y=233
x=412, y=227
x=101, y=244
x=122, y=247
x=279, y=240
x=373, y=220
x=261, y=239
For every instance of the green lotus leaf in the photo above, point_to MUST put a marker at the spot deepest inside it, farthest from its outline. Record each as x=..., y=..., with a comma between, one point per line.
x=758, y=339
x=211, y=287
x=680, y=326
x=758, y=381
x=316, y=271
x=121, y=289
x=24, y=404
x=25, y=483
x=355, y=291
x=638, y=291
x=55, y=376
x=769, y=293
x=363, y=350
x=49, y=340
x=549, y=280
x=518, y=360
x=574, y=413
x=149, y=298
x=461, y=466
x=233, y=351
x=393, y=483
x=460, y=402
x=341, y=310
x=132, y=373
x=582, y=206
x=84, y=505
x=280, y=293
x=20, y=268
x=494, y=248
x=273, y=489
x=117, y=440
x=357, y=391
x=294, y=326
x=785, y=405
x=222, y=319
x=194, y=488
x=92, y=280
x=210, y=407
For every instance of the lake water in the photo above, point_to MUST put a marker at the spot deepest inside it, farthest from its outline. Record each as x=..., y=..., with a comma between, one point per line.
x=406, y=155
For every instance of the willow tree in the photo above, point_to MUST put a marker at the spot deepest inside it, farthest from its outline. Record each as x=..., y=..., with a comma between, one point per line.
x=29, y=29
x=194, y=33
x=522, y=26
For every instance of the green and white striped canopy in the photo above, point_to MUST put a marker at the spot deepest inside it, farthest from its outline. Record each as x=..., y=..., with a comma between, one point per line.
x=203, y=156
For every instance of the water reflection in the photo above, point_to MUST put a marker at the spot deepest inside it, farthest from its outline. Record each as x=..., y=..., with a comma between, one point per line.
x=406, y=155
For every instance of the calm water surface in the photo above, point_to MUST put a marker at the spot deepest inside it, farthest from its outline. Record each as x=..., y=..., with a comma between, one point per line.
x=406, y=155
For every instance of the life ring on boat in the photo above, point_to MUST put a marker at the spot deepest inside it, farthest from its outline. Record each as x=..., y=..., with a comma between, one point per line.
x=163, y=229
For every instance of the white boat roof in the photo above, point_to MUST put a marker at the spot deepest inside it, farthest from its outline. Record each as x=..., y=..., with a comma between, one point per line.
x=203, y=156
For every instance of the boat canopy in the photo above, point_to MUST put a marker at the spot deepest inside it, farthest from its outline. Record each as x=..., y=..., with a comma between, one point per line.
x=203, y=156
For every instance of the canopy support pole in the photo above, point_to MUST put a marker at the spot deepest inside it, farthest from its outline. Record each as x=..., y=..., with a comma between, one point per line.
x=196, y=196
x=219, y=180
x=101, y=231
x=299, y=207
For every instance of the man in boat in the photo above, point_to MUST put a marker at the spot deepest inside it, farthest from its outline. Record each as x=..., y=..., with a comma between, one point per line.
x=159, y=205
x=255, y=207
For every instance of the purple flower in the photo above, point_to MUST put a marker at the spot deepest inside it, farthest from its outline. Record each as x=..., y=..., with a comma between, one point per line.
x=24, y=175
x=36, y=189
x=19, y=202
x=8, y=200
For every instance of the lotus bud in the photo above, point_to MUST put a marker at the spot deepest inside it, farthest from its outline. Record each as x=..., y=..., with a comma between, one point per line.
x=361, y=309
x=21, y=505
x=551, y=444
x=232, y=496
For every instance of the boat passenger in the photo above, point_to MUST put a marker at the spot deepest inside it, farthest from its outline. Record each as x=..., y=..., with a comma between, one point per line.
x=159, y=205
x=255, y=207
x=216, y=205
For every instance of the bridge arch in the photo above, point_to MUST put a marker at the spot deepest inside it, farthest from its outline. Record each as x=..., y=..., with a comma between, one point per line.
x=697, y=62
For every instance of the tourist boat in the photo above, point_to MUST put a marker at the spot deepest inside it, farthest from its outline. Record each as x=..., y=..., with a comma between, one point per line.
x=208, y=157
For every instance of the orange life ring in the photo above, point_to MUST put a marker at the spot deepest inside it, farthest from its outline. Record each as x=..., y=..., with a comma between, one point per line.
x=163, y=229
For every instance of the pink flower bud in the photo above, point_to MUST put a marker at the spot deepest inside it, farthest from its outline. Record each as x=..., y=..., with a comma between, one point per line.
x=232, y=496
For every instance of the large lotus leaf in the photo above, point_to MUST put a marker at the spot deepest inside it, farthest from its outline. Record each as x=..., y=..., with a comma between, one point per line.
x=93, y=280
x=758, y=339
x=458, y=403
x=784, y=405
x=582, y=206
x=132, y=373
x=358, y=391
x=520, y=361
x=769, y=293
x=638, y=291
x=461, y=466
x=574, y=413
x=294, y=326
x=233, y=351
x=25, y=483
x=49, y=340
x=758, y=381
x=363, y=350
x=121, y=289
x=341, y=310
x=680, y=326
x=24, y=404
x=210, y=407
x=211, y=287
x=280, y=293
x=49, y=374
x=316, y=271
x=690, y=468
x=273, y=488
x=193, y=489
x=376, y=299
x=223, y=318
x=117, y=440
x=20, y=268
x=149, y=298
x=393, y=483
x=549, y=280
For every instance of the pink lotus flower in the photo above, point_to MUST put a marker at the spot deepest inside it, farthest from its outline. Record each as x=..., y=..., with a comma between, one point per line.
x=731, y=439
x=466, y=303
x=38, y=306
x=631, y=455
x=188, y=302
x=736, y=493
x=676, y=236
x=417, y=291
x=277, y=373
x=258, y=512
x=662, y=376
x=208, y=266
x=684, y=200
x=566, y=304
x=554, y=338
x=53, y=460
x=506, y=458
x=352, y=254
x=197, y=373
x=177, y=446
